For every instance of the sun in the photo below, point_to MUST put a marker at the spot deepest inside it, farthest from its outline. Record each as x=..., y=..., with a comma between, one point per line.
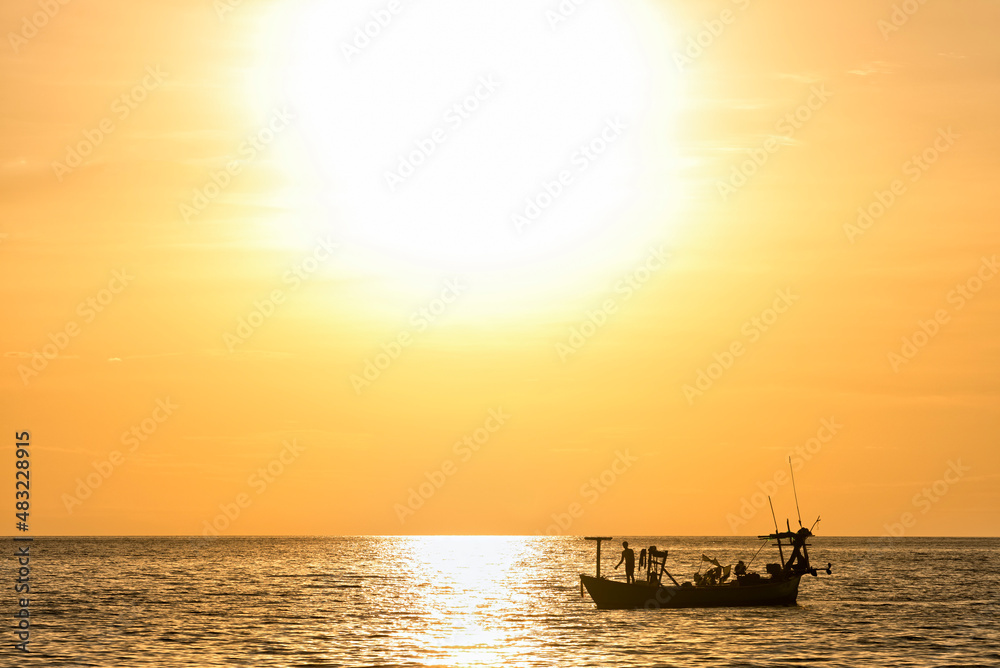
x=510, y=144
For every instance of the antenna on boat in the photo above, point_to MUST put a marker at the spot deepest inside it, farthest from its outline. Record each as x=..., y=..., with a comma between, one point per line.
x=799, y=512
x=773, y=517
x=776, y=535
x=756, y=553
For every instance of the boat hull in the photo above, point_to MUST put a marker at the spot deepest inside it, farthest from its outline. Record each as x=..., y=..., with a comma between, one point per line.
x=615, y=595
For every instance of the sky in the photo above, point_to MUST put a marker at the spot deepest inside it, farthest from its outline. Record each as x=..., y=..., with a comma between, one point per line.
x=531, y=268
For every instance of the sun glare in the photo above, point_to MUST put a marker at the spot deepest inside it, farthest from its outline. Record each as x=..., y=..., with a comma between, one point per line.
x=446, y=141
x=471, y=575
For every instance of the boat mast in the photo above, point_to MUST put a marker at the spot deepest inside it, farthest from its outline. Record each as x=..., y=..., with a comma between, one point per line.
x=597, y=570
x=797, y=511
x=777, y=536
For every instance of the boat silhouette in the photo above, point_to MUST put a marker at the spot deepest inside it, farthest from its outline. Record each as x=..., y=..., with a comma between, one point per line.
x=779, y=587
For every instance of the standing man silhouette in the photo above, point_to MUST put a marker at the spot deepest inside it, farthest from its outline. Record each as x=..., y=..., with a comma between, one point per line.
x=628, y=556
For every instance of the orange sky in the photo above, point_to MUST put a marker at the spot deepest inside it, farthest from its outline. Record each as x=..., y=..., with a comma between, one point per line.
x=594, y=273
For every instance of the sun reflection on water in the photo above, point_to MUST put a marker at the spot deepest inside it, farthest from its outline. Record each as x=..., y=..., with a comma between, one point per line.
x=470, y=580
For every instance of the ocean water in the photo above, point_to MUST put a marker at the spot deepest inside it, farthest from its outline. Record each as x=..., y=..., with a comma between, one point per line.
x=487, y=601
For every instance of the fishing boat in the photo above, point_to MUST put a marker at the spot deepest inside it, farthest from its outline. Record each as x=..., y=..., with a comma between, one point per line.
x=714, y=588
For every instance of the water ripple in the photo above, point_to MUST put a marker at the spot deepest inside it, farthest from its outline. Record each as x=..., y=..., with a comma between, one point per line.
x=488, y=601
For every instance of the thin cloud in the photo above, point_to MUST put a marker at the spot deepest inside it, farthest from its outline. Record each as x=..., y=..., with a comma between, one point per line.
x=142, y=357
x=23, y=355
x=798, y=78
x=249, y=354
x=874, y=67
x=15, y=166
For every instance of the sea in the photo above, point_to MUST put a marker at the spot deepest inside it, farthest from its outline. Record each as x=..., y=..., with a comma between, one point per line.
x=486, y=601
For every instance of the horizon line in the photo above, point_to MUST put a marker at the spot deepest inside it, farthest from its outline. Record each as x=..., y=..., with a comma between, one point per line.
x=467, y=535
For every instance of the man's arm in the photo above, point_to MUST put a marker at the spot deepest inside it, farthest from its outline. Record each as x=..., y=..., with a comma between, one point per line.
x=620, y=560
